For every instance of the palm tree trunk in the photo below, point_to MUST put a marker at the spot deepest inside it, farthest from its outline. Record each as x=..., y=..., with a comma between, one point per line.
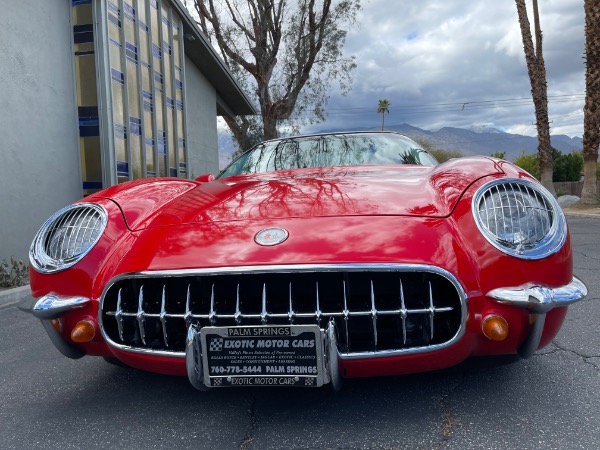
x=537, y=76
x=591, y=119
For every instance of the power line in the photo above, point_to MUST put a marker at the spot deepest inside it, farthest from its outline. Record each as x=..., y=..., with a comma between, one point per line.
x=566, y=97
x=449, y=107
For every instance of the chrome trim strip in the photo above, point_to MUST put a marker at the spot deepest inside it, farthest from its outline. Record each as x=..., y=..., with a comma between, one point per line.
x=553, y=240
x=52, y=306
x=540, y=299
x=295, y=269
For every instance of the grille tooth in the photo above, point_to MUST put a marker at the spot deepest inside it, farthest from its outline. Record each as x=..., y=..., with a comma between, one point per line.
x=373, y=311
x=263, y=313
x=212, y=314
x=238, y=313
x=141, y=319
x=163, y=315
x=374, y=316
x=119, y=316
x=403, y=313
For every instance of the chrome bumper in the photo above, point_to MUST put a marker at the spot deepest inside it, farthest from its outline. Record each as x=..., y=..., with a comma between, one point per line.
x=53, y=306
x=538, y=300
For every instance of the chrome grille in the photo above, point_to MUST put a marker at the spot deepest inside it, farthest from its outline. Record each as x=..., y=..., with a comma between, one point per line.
x=375, y=308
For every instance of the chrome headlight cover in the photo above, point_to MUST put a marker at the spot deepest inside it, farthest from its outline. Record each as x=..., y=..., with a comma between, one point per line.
x=519, y=217
x=67, y=236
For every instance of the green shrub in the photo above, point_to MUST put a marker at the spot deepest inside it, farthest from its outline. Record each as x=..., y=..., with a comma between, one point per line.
x=560, y=192
x=564, y=167
x=528, y=163
x=14, y=273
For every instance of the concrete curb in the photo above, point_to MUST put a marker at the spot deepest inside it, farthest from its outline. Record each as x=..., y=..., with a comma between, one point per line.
x=12, y=295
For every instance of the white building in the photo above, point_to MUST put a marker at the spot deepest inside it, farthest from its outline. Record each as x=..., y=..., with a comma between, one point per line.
x=98, y=92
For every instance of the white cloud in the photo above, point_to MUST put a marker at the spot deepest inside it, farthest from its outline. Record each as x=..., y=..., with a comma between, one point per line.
x=430, y=58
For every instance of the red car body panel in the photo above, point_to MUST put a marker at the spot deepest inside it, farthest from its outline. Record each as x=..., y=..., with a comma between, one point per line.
x=338, y=215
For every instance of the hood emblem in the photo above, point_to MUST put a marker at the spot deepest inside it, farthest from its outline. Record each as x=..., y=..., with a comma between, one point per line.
x=271, y=236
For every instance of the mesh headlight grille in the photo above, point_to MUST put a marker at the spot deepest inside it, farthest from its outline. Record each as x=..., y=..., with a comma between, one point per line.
x=520, y=218
x=67, y=237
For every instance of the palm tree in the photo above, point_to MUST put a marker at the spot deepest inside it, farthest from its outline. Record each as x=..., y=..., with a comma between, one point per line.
x=591, y=118
x=383, y=107
x=537, y=77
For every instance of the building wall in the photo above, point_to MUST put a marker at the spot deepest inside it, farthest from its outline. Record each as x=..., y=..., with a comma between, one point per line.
x=201, y=104
x=39, y=160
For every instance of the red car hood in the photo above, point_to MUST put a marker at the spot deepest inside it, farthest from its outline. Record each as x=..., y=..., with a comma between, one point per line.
x=334, y=191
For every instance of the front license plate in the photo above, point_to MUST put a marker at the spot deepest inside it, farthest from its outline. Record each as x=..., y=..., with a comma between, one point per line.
x=263, y=356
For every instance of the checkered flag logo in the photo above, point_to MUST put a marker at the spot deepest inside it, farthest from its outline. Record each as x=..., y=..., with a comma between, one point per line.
x=216, y=345
x=308, y=381
x=217, y=381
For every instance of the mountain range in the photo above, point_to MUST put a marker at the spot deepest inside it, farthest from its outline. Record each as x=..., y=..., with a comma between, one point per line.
x=479, y=140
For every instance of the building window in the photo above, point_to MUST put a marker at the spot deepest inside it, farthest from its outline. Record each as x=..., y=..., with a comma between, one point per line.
x=87, y=96
x=147, y=89
x=140, y=56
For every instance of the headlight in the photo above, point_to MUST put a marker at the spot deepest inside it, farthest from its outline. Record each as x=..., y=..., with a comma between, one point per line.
x=519, y=217
x=67, y=237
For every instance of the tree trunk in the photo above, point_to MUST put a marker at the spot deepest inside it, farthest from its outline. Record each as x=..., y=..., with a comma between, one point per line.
x=591, y=120
x=537, y=77
x=382, y=120
x=270, y=125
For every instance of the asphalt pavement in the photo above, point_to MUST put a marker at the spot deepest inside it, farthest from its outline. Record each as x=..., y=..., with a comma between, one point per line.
x=550, y=401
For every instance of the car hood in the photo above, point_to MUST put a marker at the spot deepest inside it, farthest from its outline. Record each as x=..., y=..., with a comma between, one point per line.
x=319, y=192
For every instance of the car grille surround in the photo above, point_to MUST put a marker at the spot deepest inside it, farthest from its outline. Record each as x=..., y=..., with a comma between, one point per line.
x=378, y=310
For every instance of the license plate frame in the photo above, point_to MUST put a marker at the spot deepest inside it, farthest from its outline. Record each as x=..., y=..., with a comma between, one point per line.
x=263, y=355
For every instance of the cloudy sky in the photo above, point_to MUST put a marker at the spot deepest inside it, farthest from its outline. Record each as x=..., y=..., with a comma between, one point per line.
x=460, y=63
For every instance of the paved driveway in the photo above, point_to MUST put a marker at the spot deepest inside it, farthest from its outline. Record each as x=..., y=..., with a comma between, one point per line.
x=549, y=401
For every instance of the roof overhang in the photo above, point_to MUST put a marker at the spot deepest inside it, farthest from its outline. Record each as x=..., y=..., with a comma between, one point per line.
x=231, y=100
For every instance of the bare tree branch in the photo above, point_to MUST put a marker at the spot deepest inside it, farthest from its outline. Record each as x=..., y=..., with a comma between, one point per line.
x=287, y=52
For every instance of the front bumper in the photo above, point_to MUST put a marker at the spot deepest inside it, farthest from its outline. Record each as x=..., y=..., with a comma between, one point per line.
x=53, y=306
x=538, y=300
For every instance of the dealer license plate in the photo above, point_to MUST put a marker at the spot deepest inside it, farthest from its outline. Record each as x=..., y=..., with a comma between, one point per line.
x=263, y=356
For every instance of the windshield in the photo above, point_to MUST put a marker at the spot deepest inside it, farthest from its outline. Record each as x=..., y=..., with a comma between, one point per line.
x=330, y=150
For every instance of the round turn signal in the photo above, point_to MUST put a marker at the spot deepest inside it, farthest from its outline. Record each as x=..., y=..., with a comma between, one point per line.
x=495, y=328
x=56, y=324
x=84, y=331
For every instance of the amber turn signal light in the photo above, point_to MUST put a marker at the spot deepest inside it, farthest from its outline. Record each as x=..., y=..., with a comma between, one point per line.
x=56, y=324
x=84, y=331
x=495, y=328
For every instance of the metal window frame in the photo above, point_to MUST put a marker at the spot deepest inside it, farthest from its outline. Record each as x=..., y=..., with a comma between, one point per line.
x=105, y=106
x=104, y=90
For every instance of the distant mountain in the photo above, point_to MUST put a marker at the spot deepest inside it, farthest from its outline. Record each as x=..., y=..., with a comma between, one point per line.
x=487, y=141
x=479, y=140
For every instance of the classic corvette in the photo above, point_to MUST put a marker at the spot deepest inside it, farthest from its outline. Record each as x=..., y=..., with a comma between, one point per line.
x=308, y=260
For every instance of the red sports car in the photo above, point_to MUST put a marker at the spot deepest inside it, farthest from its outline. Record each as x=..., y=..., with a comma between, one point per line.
x=308, y=260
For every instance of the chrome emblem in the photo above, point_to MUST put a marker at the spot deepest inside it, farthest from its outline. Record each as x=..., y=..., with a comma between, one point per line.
x=271, y=236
